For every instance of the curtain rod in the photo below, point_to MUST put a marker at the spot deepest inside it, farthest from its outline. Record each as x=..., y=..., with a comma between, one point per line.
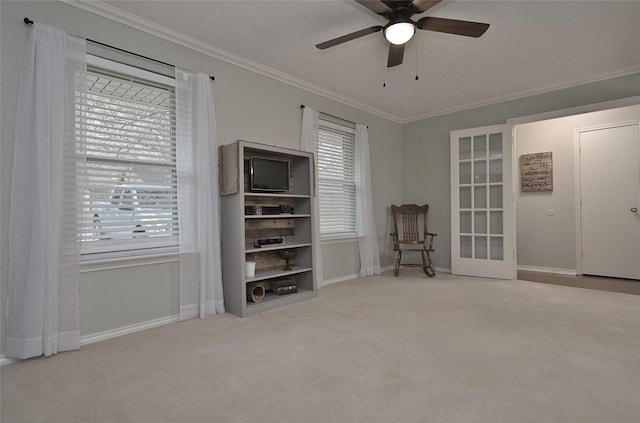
x=302, y=106
x=30, y=22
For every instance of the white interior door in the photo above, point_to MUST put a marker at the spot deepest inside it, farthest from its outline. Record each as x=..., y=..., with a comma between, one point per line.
x=482, y=208
x=610, y=199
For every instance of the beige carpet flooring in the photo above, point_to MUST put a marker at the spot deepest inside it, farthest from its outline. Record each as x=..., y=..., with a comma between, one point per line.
x=380, y=349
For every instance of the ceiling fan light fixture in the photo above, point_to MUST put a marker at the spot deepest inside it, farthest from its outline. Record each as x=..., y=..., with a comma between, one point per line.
x=399, y=32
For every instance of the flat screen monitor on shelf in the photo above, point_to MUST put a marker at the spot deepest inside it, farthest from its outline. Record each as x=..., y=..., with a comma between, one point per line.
x=269, y=175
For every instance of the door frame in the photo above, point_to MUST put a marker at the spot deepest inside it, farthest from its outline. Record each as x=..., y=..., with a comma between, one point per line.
x=578, y=180
x=554, y=114
x=514, y=122
x=483, y=268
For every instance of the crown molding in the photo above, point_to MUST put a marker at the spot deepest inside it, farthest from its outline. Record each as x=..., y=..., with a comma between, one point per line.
x=527, y=93
x=118, y=15
x=97, y=7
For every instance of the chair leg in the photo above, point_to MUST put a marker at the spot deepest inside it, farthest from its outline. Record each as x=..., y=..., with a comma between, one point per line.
x=428, y=269
x=398, y=258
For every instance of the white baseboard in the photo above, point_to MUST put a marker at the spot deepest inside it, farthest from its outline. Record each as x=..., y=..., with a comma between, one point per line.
x=570, y=272
x=90, y=339
x=190, y=311
x=356, y=276
x=4, y=360
x=327, y=282
x=349, y=277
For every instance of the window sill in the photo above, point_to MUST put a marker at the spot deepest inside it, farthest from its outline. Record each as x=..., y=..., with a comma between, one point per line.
x=131, y=261
x=339, y=240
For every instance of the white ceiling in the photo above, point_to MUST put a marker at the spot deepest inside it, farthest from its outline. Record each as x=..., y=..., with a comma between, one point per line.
x=531, y=47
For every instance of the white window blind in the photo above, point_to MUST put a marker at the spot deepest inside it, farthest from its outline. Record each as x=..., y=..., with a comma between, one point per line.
x=336, y=179
x=126, y=133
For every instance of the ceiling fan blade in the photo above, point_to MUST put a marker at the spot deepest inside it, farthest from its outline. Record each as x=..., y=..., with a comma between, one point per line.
x=396, y=54
x=419, y=6
x=376, y=6
x=453, y=26
x=348, y=37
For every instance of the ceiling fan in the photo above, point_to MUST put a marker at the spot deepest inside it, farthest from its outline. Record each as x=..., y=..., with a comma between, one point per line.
x=401, y=27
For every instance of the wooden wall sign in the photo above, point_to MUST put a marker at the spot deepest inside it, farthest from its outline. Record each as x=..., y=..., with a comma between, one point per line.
x=536, y=172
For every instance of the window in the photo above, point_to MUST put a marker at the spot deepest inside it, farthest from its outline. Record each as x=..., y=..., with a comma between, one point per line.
x=126, y=134
x=336, y=160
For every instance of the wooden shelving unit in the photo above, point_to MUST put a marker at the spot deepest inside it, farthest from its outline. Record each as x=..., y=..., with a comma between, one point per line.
x=243, y=228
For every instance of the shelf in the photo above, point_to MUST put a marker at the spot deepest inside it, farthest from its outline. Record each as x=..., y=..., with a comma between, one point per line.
x=278, y=195
x=275, y=216
x=272, y=300
x=243, y=228
x=276, y=273
x=272, y=247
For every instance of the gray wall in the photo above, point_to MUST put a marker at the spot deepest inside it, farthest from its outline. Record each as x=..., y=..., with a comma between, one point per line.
x=425, y=160
x=409, y=163
x=248, y=106
x=549, y=241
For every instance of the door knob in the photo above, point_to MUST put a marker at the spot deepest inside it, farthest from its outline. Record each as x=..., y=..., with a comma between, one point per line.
x=634, y=210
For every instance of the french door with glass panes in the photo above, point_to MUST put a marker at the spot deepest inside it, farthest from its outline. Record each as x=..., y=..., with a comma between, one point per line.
x=482, y=207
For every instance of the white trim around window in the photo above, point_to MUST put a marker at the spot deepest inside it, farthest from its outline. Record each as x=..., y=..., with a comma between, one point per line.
x=126, y=145
x=336, y=166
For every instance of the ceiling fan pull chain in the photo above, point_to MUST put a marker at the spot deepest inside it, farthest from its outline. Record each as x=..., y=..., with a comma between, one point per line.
x=416, y=44
x=384, y=68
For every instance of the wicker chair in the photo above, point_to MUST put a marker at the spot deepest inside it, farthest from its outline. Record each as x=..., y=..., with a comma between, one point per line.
x=411, y=233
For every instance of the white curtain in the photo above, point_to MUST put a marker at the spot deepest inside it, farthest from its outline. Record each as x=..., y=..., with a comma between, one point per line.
x=43, y=301
x=309, y=143
x=369, y=255
x=198, y=198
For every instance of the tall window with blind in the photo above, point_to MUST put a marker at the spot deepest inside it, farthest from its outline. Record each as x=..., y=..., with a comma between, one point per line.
x=336, y=160
x=126, y=135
